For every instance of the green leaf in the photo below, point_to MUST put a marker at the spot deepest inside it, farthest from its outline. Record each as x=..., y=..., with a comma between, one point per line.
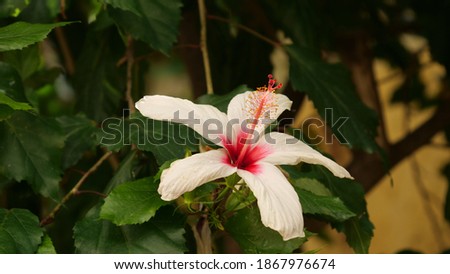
x=202, y=193
x=97, y=79
x=330, y=207
x=12, y=96
x=164, y=166
x=167, y=141
x=316, y=198
x=154, y=22
x=253, y=237
x=125, y=172
x=310, y=184
x=221, y=101
x=331, y=89
x=26, y=61
x=46, y=246
x=114, y=134
x=298, y=19
x=126, y=5
x=5, y=100
x=21, y=34
x=162, y=234
x=349, y=191
x=132, y=202
x=30, y=149
x=11, y=83
x=5, y=112
x=358, y=232
x=19, y=231
x=41, y=11
x=80, y=135
x=314, y=186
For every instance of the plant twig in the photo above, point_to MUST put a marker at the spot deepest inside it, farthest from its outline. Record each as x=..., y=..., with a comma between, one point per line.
x=62, y=8
x=400, y=150
x=79, y=192
x=247, y=29
x=113, y=161
x=130, y=62
x=69, y=63
x=204, y=46
x=47, y=220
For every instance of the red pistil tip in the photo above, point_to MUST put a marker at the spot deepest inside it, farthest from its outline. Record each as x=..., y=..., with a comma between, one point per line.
x=271, y=84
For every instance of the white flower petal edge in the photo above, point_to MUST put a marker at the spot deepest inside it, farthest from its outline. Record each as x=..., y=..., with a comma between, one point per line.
x=236, y=107
x=288, y=150
x=189, y=173
x=277, y=201
x=236, y=114
x=161, y=107
x=283, y=104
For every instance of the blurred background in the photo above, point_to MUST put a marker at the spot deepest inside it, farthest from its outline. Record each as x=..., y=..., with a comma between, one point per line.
x=407, y=206
x=396, y=51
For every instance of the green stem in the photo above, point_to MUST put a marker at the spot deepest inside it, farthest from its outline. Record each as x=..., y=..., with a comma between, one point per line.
x=204, y=46
x=75, y=189
x=247, y=29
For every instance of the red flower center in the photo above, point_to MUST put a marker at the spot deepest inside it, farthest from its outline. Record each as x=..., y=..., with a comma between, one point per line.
x=243, y=155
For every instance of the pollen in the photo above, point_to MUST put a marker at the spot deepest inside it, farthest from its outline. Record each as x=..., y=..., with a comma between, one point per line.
x=262, y=103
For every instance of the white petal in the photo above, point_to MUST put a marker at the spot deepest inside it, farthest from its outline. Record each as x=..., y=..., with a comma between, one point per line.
x=288, y=150
x=277, y=200
x=207, y=120
x=241, y=111
x=187, y=174
x=236, y=107
x=283, y=104
x=236, y=115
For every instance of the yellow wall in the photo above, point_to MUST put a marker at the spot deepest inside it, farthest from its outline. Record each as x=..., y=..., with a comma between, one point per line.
x=405, y=216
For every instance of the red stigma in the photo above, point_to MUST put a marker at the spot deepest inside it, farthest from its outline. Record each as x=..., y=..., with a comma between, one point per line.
x=271, y=84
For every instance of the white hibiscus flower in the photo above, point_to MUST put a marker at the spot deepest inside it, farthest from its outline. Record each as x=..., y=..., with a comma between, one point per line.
x=246, y=150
